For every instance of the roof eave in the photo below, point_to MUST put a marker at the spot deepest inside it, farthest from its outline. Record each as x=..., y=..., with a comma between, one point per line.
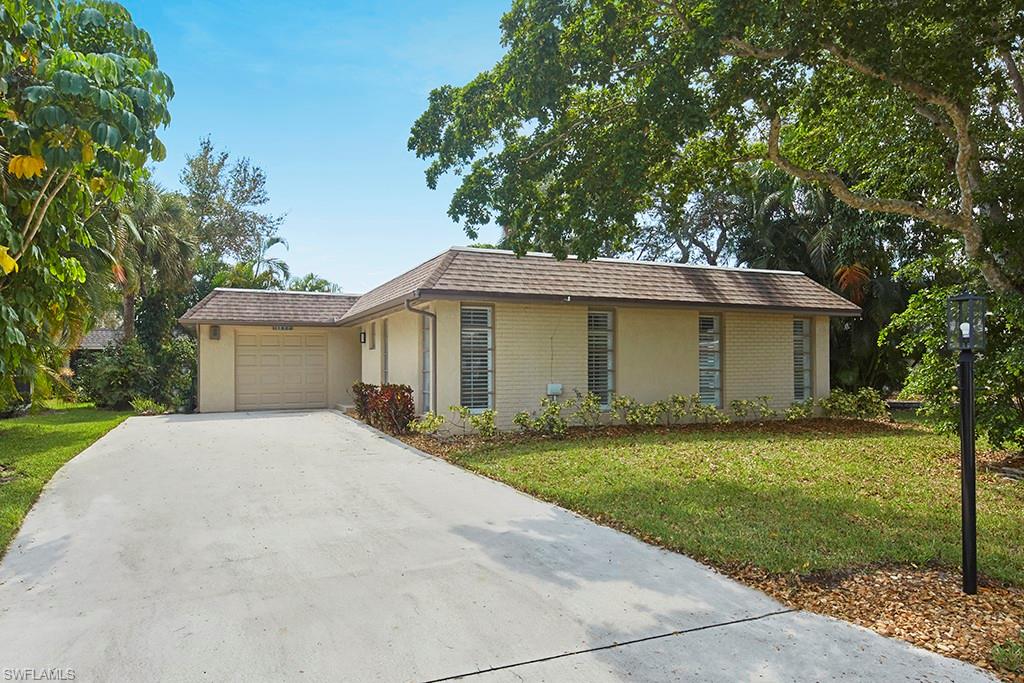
x=256, y=323
x=852, y=311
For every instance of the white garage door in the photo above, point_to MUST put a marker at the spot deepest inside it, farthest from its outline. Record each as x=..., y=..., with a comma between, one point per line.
x=280, y=370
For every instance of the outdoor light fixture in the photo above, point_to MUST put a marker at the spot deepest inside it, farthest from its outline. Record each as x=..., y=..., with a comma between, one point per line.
x=362, y=337
x=965, y=323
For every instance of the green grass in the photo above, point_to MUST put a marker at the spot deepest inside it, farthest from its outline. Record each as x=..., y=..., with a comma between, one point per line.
x=1010, y=655
x=34, y=447
x=828, y=497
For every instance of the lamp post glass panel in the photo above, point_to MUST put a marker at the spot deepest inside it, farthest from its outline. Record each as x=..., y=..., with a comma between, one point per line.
x=966, y=326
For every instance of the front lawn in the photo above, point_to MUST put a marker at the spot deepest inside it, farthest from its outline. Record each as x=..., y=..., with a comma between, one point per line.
x=819, y=497
x=860, y=521
x=34, y=447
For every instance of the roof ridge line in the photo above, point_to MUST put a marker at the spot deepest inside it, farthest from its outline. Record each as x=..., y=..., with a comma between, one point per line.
x=611, y=259
x=283, y=291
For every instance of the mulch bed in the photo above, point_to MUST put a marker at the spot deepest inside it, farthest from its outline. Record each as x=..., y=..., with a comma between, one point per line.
x=921, y=605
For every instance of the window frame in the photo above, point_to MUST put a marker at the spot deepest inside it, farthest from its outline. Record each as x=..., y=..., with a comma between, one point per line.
x=807, y=341
x=373, y=335
x=719, y=367
x=426, y=371
x=489, y=328
x=609, y=351
x=384, y=369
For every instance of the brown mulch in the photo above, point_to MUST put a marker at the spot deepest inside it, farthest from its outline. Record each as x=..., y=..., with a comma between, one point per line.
x=921, y=605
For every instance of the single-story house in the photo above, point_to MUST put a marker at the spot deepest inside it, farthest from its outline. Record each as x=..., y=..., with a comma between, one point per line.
x=92, y=344
x=483, y=328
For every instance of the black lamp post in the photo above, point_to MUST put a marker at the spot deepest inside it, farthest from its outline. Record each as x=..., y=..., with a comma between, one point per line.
x=966, y=333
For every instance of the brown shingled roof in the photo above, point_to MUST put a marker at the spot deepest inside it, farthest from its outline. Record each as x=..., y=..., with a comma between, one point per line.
x=266, y=307
x=99, y=339
x=490, y=273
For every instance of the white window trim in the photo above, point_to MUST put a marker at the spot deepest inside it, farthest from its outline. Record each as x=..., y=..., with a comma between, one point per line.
x=808, y=337
x=490, y=355
x=426, y=371
x=719, y=370
x=384, y=369
x=610, y=351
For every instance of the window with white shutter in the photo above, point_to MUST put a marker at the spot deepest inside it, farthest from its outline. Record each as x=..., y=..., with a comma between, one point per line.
x=477, y=357
x=601, y=355
x=384, y=352
x=801, y=359
x=427, y=358
x=710, y=360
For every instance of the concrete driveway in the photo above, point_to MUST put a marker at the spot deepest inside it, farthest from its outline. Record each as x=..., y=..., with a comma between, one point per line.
x=303, y=546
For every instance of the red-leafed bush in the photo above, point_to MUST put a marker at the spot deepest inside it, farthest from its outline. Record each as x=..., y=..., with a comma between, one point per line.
x=362, y=393
x=389, y=407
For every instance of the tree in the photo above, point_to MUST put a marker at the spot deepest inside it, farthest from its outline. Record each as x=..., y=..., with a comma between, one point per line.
x=701, y=226
x=263, y=272
x=227, y=201
x=311, y=282
x=153, y=247
x=902, y=108
x=81, y=97
x=794, y=225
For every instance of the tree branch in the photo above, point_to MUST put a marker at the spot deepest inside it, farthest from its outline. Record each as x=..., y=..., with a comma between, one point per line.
x=965, y=225
x=41, y=214
x=1015, y=77
x=858, y=201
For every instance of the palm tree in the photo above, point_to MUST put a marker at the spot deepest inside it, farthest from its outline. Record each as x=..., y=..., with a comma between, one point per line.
x=263, y=272
x=264, y=263
x=153, y=246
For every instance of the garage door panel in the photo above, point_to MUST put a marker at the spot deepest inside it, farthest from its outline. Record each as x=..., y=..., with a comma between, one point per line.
x=280, y=370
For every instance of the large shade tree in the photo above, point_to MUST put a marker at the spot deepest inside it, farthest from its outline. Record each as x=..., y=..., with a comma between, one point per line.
x=81, y=98
x=906, y=108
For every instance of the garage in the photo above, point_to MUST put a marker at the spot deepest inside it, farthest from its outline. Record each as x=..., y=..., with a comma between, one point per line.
x=273, y=350
x=280, y=370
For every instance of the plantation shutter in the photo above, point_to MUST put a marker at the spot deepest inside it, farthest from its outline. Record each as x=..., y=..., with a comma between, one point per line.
x=710, y=360
x=477, y=358
x=427, y=359
x=384, y=351
x=801, y=359
x=600, y=355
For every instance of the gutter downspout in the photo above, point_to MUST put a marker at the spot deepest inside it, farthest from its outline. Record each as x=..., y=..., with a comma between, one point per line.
x=433, y=349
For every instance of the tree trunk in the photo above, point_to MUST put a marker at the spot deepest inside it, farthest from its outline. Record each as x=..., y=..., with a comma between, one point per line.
x=128, y=313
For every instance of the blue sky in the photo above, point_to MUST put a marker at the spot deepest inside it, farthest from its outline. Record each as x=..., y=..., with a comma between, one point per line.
x=322, y=96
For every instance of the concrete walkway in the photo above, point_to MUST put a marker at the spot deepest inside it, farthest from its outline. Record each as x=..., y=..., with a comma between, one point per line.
x=302, y=546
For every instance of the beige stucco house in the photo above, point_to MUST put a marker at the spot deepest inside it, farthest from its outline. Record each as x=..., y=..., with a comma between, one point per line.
x=484, y=329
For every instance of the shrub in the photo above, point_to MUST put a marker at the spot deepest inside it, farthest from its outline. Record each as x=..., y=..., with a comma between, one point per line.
x=391, y=408
x=588, y=409
x=147, y=406
x=119, y=374
x=548, y=420
x=361, y=394
x=643, y=414
x=741, y=408
x=484, y=422
x=800, y=410
x=706, y=413
x=678, y=408
x=622, y=404
x=175, y=372
x=864, y=404
x=427, y=424
x=763, y=408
